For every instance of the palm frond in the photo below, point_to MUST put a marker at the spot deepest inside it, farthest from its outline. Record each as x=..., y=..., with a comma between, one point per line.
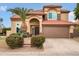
x=22, y=12
x=76, y=11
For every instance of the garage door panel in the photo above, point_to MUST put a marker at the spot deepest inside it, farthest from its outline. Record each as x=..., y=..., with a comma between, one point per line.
x=55, y=31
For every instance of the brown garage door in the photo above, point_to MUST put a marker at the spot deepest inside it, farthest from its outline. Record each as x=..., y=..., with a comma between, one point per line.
x=56, y=31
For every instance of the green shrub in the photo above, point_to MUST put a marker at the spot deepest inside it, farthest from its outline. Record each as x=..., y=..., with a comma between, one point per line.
x=7, y=29
x=14, y=41
x=23, y=34
x=37, y=41
x=77, y=28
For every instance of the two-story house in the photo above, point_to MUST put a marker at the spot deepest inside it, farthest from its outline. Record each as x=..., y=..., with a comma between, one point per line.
x=51, y=21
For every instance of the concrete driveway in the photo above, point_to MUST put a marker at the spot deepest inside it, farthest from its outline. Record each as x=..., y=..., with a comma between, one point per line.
x=52, y=46
x=62, y=46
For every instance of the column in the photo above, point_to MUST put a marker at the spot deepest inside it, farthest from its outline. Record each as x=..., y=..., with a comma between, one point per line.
x=40, y=27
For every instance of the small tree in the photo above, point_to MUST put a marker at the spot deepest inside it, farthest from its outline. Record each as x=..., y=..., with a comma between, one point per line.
x=76, y=11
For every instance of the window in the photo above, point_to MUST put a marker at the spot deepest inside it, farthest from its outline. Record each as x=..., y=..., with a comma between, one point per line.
x=17, y=24
x=17, y=29
x=52, y=15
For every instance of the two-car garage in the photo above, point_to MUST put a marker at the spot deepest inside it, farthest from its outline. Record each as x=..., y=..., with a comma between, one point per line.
x=56, y=31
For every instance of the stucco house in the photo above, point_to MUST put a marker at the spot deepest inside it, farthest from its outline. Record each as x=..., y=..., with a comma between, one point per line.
x=51, y=21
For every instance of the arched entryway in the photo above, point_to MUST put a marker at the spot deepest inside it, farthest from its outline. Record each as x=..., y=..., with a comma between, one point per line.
x=34, y=26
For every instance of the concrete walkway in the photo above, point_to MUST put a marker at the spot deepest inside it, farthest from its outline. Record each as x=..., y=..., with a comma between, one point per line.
x=52, y=46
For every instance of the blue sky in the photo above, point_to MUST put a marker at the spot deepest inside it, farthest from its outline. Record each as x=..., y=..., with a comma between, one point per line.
x=6, y=15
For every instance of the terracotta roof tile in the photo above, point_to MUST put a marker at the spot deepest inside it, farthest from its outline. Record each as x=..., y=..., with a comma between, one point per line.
x=52, y=6
x=36, y=12
x=15, y=16
x=56, y=22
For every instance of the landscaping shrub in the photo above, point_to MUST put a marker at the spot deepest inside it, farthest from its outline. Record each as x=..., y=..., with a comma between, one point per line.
x=37, y=41
x=77, y=28
x=14, y=41
x=23, y=34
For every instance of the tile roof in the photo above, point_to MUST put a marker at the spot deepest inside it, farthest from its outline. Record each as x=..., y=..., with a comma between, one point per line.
x=15, y=16
x=52, y=6
x=36, y=12
x=64, y=10
x=56, y=22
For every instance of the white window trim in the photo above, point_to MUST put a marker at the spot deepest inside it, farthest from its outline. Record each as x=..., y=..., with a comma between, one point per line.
x=19, y=26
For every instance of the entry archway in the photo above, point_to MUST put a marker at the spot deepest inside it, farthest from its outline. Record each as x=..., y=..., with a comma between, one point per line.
x=34, y=26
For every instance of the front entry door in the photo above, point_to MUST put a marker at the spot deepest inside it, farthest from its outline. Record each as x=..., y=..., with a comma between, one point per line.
x=35, y=30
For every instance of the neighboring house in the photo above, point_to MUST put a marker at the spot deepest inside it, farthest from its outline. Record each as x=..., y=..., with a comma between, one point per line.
x=51, y=21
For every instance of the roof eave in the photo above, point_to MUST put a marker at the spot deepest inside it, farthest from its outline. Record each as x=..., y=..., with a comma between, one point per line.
x=52, y=6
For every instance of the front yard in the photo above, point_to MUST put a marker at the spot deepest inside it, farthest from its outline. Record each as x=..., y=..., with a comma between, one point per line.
x=52, y=46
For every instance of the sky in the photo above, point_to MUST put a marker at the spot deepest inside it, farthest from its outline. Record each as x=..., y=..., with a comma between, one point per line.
x=6, y=15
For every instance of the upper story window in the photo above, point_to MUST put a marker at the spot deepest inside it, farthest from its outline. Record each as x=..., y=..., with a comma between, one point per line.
x=52, y=15
x=49, y=15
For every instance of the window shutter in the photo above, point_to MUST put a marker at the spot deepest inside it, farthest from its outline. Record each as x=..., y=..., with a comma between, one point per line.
x=58, y=16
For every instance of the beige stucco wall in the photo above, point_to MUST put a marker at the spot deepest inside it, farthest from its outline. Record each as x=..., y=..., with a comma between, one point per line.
x=71, y=29
x=64, y=16
x=13, y=27
x=57, y=10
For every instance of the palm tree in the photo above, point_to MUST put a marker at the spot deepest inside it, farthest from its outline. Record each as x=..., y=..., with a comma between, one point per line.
x=23, y=13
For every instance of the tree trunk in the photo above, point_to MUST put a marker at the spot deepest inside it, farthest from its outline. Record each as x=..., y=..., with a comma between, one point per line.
x=24, y=26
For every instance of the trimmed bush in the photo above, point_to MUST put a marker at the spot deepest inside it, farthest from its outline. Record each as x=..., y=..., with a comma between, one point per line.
x=23, y=34
x=37, y=41
x=77, y=28
x=14, y=41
